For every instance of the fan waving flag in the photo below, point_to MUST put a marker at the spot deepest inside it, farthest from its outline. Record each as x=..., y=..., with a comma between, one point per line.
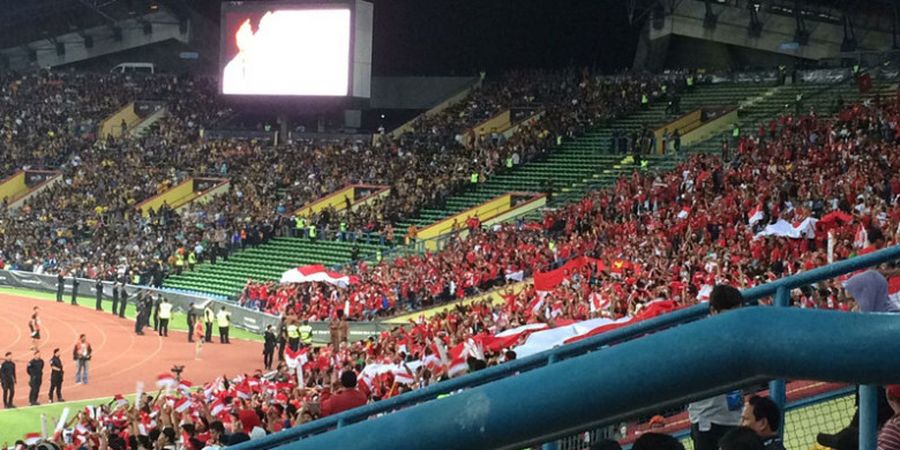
x=318, y=273
x=166, y=381
x=294, y=359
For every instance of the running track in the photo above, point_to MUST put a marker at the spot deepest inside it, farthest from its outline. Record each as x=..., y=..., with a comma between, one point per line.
x=120, y=357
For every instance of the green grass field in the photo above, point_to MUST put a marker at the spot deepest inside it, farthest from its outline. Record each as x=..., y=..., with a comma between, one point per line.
x=15, y=423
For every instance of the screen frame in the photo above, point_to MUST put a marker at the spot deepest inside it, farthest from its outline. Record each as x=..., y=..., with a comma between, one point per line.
x=247, y=6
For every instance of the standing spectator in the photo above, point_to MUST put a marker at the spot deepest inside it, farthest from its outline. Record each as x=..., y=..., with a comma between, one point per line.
x=56, y=376
x=98, y=290
x=82, y=356
x=269, y=347
x=348, y=397
x=35, y=372
x=165, y=314
x=198, y=336
x=339, y=331
x=74, y=289
x=223, y=319
x=191, y=318
x=715, y=416
x=208, y=317
x=8, y=380
x=763, y=416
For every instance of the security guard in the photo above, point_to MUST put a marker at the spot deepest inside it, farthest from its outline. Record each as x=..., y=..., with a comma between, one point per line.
x=98, y=289
x=223, y=320
x=208, y=317
x=473, y=180
x=165, y=313
x=115, y=296
x=190, y=317
x=306, y=333
x=312, y=231
x=74, y=289
x=192, y=260
x=300, y=226
x=293, y=335
x=343, y=229
x=179, y=263
x=123, y=299
x=645, y=101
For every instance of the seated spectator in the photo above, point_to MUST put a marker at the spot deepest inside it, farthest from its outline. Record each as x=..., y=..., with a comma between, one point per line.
x=657, y=441
x=741, y=438
x=889, y=436
x=763, y=416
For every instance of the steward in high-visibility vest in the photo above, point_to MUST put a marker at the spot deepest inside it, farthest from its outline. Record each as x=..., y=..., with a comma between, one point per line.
x=306, y=333
x=223, y=319
x=509, y=162
x=179, y=263
x=473, y=178
x=192, y=260
x=645, y=101
x=312, y=232
x=293, y=335
x=299, y=226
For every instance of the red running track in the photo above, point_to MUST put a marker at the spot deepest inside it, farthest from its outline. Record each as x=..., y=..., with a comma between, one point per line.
x=120, y=358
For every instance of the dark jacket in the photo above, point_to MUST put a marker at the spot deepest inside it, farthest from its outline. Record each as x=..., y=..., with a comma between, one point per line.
x=8, y=372
x=56, y=362
x=35, y=369
x=270, y=342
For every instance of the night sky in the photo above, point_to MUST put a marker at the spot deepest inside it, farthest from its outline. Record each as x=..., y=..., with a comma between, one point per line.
x=447, y=37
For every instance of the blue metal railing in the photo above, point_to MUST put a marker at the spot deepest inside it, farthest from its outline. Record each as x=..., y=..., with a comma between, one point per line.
x=779, y=288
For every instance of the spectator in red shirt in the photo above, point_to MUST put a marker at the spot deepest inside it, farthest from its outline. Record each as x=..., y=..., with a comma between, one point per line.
x=348, y=397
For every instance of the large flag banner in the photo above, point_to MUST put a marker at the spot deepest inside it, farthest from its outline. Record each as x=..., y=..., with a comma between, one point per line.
x=318, y=273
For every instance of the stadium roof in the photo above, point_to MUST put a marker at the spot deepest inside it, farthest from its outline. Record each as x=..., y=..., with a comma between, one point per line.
x=43, y=19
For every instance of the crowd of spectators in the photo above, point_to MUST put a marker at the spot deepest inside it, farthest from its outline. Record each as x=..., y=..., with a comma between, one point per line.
x=653, y=236
x=663, y=235
x=88, y=225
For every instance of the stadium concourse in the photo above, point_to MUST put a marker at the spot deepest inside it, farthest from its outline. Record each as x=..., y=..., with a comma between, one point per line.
x=651, y=244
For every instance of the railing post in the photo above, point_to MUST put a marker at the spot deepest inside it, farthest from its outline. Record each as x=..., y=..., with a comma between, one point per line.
x=777, y=390
x=552, y=445
x=868, y=416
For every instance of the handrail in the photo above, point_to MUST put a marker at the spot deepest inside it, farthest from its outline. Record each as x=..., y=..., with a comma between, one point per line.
x=680, y=317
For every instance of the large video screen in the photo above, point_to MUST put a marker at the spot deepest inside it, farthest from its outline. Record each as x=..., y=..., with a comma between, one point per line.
x=293, y=49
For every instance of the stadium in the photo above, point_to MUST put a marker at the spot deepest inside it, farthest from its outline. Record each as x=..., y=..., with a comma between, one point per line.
x=388, y=224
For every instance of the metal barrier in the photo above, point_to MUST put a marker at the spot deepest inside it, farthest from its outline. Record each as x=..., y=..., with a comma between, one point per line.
x=475, y=382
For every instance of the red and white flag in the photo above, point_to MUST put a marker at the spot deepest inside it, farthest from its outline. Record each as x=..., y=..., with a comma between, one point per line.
x=165, y=381
x=32, y=438
x=295, y=359
x=402, y=375
x=894, y=290
x=120, y=401
x=216, y=407
x=185, y=386
x=755, y=215
x=318, y=273
x=182, y=404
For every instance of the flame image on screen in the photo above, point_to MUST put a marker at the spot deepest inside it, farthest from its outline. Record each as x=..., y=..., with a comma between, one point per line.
x=292, y=52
